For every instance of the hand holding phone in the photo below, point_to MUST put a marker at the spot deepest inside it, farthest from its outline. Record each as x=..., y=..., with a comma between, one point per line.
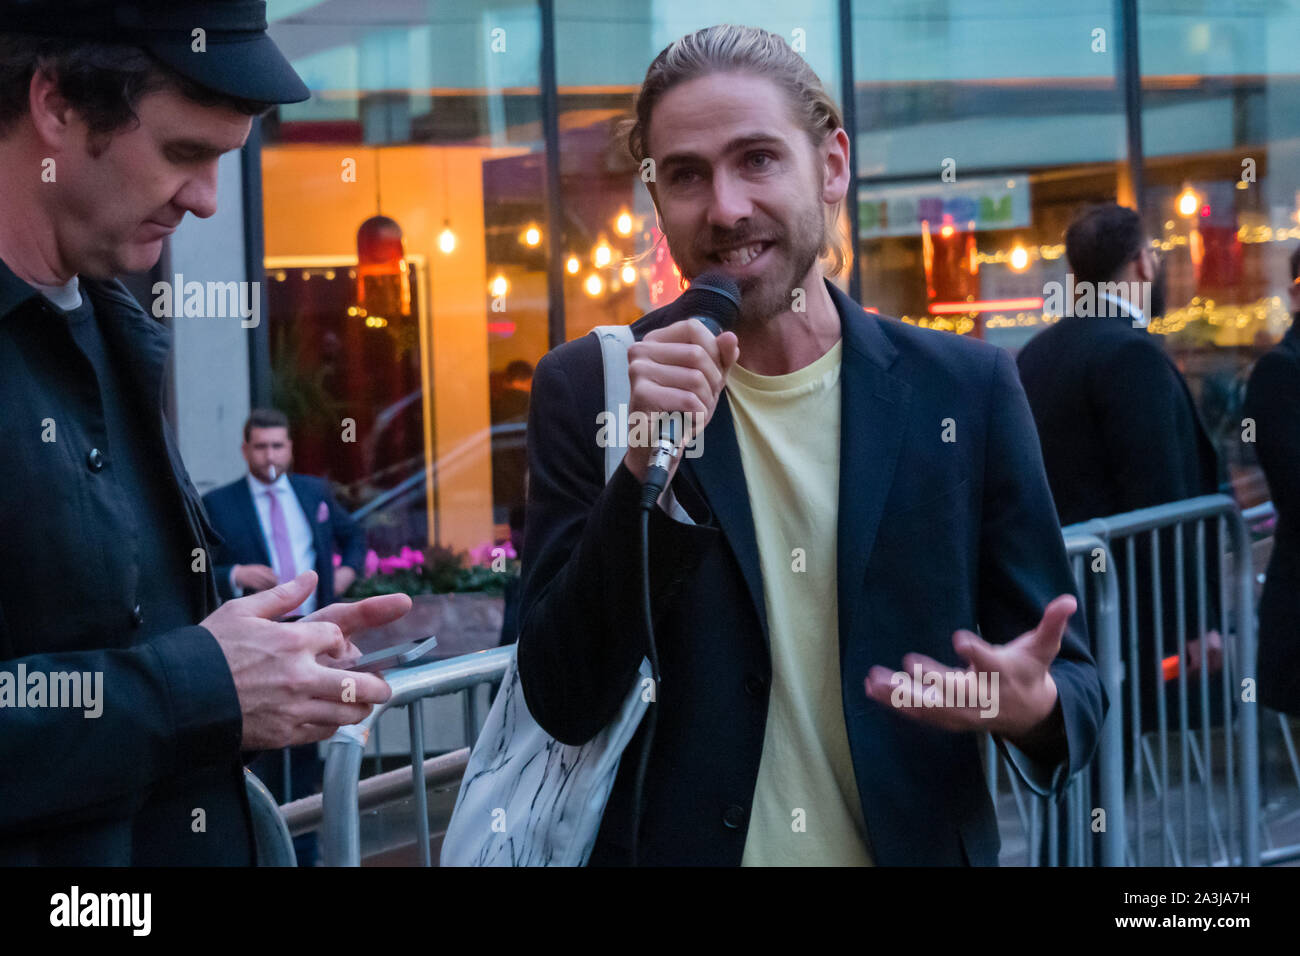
x=399, y=655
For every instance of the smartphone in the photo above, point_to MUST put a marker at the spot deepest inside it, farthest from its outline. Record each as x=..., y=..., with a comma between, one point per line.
x=399, y=655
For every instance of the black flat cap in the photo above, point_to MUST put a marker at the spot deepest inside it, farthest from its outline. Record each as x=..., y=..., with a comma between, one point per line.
x=233, y=55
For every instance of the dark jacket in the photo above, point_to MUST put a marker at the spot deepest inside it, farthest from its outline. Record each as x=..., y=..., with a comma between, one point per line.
x=932, y=536
x=234, y=515
x=1120, y=432
x=1273, y=401
x=121, y=788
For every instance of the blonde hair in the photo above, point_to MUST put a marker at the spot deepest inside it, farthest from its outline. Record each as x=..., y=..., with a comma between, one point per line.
x=729, y=48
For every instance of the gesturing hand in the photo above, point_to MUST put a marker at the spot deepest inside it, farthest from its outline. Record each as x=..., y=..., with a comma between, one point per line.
x=1019, y=693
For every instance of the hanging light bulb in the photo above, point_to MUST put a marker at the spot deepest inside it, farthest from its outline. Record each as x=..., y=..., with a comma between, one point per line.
x=499, y=285
x=623, y=224
x=629, y=275
x=532, y=236
x=594, y=285
x=573, y=265
x=446, y=238
x=602, y=255
x=1188, y=202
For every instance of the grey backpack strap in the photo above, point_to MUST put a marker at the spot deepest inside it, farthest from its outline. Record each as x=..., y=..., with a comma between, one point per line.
x=614, y=343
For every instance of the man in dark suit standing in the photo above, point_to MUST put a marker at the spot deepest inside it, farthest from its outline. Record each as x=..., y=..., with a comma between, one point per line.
x=1273, y=402
x=867, y=494
x=1118, y=425
x=276, y=524
x=108, y=587
x=273, y=526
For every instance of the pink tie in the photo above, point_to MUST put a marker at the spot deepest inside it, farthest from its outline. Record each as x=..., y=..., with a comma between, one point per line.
x=280, y=538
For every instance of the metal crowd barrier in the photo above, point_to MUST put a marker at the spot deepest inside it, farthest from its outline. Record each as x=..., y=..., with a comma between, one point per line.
x=270, y=834
x=1227, y=828
x=340, y=834
x=1231, y=837
x=1226, y=823
x=1039, y=816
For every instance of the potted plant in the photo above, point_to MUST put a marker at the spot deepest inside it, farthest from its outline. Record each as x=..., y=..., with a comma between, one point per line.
x=457, y=597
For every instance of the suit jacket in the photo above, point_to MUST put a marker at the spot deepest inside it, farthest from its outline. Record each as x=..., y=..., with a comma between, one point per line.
x=235, y=516
x=121, y=788
x=1273, y=401
x=932, y=536
x=1119, y=432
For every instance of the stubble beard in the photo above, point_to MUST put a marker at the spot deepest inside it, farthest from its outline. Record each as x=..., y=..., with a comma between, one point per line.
x=764, y=297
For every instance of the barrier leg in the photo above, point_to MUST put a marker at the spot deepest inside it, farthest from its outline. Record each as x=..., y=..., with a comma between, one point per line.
x=341, y=826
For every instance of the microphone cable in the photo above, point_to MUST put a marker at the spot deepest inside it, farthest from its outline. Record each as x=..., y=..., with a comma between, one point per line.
x=653, y=654
x=656, y=481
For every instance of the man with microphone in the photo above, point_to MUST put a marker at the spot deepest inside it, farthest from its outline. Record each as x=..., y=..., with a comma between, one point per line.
x=868, y=496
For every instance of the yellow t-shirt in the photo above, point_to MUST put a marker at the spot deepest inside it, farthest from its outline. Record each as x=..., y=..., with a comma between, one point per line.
x=806, y=807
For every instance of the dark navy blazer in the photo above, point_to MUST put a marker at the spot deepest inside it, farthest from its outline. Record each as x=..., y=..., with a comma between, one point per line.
x=234, y=515
x=933, y=536
x=1273, y=401
x=1120, y=431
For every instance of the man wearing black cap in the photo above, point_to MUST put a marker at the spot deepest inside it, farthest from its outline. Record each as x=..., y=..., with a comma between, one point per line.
x=122, y=720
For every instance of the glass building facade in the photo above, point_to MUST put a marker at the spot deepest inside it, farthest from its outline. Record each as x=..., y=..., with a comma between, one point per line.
x=453, y=202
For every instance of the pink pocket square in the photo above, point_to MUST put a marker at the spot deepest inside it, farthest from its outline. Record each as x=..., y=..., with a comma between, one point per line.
x=322, y=513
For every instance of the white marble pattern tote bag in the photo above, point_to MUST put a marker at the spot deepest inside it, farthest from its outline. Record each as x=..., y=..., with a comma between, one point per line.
x=527, y=799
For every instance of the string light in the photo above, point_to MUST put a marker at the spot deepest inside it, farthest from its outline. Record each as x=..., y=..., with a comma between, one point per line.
x=1237, y=323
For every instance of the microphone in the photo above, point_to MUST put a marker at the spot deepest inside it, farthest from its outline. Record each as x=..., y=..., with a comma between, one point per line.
x=713, y=299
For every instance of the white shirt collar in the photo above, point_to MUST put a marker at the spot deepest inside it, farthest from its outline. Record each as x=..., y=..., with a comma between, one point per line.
x=1140, y=320
x=257, y=487
x=66, y=296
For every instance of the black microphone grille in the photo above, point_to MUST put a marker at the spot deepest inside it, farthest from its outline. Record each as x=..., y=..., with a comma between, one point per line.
x=714, y=294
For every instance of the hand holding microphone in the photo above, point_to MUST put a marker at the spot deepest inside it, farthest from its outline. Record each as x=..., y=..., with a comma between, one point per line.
x=682, y=369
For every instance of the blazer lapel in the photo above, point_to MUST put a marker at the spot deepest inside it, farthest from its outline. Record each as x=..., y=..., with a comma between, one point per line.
x=718, y=473
x=320, y=537
x=873, y=421
x=310, y=504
